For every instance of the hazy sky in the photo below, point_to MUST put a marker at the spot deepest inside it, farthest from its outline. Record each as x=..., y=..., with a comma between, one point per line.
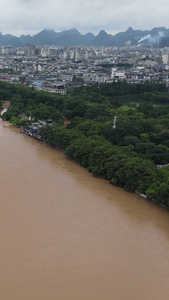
x=31, y=16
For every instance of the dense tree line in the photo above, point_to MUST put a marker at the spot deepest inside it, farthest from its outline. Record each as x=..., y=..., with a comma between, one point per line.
x=126, y=152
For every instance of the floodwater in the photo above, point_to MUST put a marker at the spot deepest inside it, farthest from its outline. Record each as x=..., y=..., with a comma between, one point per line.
x=65, y=235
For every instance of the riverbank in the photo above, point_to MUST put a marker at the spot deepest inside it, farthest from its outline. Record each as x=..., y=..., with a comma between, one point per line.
x=121, y=144
x=38, y=137
x=58, y=147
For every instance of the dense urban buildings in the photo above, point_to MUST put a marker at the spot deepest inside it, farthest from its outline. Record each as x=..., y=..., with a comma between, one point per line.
x=56, y=69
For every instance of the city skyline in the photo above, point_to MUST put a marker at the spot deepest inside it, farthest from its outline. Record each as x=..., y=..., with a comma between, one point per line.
x=31, y=16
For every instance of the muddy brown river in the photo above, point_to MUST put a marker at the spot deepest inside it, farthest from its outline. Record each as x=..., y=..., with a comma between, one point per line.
x=65, y=235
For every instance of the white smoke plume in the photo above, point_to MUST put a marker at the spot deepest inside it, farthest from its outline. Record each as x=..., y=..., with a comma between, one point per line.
x=152, y=39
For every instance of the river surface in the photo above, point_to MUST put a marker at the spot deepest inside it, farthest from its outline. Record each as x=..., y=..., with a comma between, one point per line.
x=65, y=235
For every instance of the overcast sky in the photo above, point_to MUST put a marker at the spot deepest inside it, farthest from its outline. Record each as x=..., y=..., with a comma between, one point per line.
x=31, y=16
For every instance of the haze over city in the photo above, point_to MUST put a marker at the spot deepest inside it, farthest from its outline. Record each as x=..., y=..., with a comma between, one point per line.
x=30, y=16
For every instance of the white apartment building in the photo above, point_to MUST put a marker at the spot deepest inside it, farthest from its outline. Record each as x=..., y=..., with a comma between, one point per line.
x=165, y=58
x=117, y=74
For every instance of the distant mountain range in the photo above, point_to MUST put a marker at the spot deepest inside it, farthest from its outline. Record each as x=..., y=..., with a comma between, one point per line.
x=156, y=36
